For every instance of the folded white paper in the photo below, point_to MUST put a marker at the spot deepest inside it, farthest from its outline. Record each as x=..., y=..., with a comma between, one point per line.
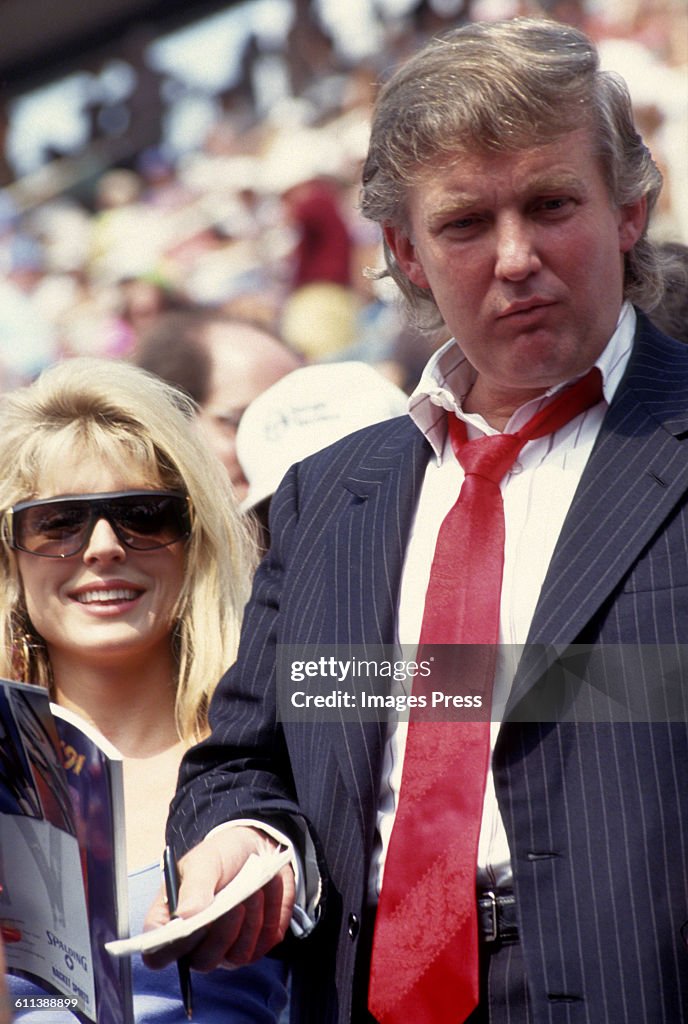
x=256, y=872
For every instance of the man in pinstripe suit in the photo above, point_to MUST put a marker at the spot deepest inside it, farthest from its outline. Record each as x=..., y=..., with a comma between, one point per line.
x=514, y=194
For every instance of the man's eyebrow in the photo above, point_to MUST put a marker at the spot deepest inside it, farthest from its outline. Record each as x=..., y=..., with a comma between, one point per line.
x=460, y=199
x=454, y=202
x=556, y=182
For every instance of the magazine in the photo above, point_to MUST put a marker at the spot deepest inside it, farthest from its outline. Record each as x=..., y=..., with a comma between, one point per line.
x=63, y=879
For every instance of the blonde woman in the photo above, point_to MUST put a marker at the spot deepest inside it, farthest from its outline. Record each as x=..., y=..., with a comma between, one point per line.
x=124, y=568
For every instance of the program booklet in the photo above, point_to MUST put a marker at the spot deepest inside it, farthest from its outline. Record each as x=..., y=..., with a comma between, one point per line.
x=256, y=872
x=63, y=881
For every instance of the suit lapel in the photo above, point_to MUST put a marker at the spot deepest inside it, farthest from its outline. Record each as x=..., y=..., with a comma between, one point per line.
x=635, y=477
x=368, y=544
x=370, y=539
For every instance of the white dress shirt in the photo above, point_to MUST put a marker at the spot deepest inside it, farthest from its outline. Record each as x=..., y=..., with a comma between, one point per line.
x=537, y=493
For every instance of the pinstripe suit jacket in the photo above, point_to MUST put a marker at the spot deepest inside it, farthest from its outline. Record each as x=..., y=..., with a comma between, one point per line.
x=596, y=814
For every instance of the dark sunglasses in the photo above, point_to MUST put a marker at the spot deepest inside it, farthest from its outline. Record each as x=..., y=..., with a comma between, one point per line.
x=62, y=527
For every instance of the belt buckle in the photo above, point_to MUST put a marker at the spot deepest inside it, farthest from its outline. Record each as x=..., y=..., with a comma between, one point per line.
x=493, y=934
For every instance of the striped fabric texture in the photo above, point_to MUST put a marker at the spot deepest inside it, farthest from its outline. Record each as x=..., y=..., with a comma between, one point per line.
x=596, y=810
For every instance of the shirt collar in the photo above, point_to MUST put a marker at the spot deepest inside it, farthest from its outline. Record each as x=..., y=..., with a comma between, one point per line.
x=448, y=376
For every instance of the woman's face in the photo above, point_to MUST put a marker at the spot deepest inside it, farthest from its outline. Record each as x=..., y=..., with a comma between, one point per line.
x=108, y=604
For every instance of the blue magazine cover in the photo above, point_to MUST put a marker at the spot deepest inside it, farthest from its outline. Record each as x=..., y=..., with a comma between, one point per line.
x=62, y=862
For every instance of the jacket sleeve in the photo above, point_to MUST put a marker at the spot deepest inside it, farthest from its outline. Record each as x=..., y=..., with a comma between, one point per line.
x=242, y=769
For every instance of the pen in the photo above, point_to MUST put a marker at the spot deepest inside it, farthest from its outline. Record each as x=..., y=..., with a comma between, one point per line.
x=169, y=870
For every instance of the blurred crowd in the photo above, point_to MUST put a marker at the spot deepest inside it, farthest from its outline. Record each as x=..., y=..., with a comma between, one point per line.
x=261, y=222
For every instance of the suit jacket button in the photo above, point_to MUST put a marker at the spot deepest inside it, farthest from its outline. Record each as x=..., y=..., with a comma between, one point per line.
x=354, y=926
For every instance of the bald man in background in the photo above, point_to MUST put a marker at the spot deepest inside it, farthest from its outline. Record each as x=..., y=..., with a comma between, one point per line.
x=223, y=363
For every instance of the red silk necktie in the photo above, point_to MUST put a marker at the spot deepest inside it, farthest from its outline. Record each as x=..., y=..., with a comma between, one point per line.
x=424, y=967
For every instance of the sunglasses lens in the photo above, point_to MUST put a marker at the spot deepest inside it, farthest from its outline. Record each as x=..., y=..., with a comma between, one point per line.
x=150, y=522
x=52, y=529
x=58, y=529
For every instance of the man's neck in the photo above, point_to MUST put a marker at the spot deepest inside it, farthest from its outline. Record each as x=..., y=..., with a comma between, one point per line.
x=497, y=407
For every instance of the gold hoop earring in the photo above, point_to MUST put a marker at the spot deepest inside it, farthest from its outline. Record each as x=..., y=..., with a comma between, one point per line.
x=29, y=657
x=21, y=658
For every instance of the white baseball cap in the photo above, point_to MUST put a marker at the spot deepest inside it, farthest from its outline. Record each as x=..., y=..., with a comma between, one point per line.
x=305, y=411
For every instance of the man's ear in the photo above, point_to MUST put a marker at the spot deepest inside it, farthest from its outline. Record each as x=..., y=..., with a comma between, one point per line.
x=406, y=256
x=632, y=221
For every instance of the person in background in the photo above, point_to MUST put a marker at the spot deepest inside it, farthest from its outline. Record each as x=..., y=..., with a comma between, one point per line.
x=320, y=314
x=528, y=520
x=303, y=412
x=141, y=300
x=323, y=249
x=223, y=363
x=125, y=565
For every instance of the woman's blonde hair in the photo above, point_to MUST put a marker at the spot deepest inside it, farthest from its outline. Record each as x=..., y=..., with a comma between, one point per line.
x=129, y=418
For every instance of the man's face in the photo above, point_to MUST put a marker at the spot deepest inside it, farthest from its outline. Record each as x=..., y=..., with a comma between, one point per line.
x=245, y=362
x=523, y=253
